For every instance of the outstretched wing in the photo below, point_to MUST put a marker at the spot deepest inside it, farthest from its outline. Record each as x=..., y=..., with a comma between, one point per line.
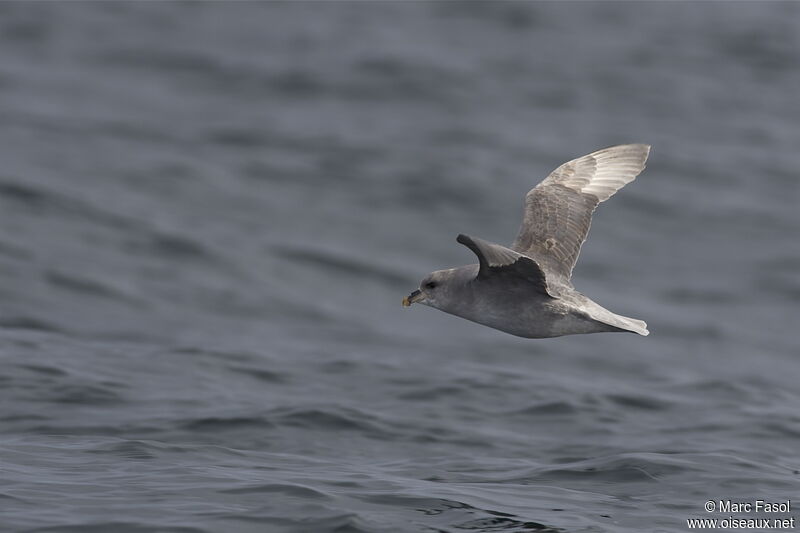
x=558, y=211
x=498, y=261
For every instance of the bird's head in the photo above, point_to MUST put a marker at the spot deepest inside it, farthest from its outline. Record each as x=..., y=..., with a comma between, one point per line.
x=438, y=288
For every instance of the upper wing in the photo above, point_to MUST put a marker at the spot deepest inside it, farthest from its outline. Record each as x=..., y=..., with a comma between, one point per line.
x=496, y=260
x=558, y=211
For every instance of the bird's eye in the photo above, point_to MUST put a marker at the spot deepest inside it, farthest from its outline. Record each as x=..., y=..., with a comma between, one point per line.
x=430, y=285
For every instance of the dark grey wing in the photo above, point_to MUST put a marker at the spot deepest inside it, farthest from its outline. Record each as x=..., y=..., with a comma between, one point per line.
x=558, y=211
x=498, y=261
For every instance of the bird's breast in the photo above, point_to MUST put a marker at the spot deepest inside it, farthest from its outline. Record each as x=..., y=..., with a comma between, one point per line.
x=514, y=310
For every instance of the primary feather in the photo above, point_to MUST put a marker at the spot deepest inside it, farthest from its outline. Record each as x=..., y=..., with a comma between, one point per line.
x=558, y=211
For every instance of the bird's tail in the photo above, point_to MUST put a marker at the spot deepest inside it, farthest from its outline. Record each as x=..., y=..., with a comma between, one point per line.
x=617, y=322
x=631, y=324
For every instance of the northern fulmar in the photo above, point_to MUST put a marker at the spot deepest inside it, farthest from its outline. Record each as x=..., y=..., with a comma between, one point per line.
x=526, y=290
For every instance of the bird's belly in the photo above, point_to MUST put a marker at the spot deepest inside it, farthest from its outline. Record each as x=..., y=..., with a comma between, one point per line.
x=532, y=318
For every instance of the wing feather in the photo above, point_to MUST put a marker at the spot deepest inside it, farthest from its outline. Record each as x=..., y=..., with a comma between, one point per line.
x=497, y=261
x=558, y=211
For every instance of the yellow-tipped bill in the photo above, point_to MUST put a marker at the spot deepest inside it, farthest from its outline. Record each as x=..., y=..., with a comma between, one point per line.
x=411, y=298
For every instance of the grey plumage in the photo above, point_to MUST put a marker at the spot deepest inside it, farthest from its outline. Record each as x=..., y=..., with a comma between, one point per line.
x=497, y=261
x=526, y=290
x=558, y=211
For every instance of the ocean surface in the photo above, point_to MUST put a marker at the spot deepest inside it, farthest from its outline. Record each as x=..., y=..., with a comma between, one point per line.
x=210, y=211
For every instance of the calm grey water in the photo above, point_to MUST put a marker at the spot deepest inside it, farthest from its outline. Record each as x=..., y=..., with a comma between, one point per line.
x=209, y=213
